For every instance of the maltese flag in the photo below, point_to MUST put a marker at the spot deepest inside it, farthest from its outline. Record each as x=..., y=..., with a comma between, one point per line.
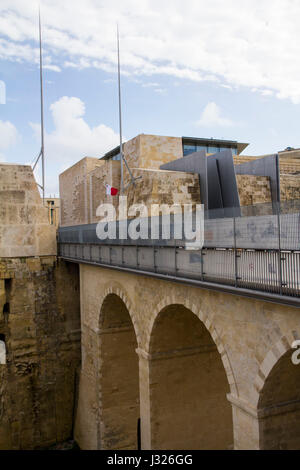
x=110, y=190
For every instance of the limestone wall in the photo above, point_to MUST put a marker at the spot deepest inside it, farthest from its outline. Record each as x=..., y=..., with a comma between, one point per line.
x=82, y=186
x=289, y=187
x=290, y=154
x=74, y=189
x=24, y=225
x=108, y=173
x=151, y=151
x=164, y=187
x=289, y=166
x=249, y=334
x=40, y=320
x=253, y=189
x=287, y=162
x=82, y=189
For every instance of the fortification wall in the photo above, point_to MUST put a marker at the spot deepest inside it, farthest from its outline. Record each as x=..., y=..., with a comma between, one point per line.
x=152, y=151
x=253, y=189
x=163, y=187
x=289, y=187
x=24, y=225
x=39, y=320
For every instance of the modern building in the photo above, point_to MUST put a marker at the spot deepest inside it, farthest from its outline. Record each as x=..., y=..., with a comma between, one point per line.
x=194, y=144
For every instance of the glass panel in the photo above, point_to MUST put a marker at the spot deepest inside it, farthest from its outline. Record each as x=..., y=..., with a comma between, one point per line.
x=200, y=147
x=187, y=149
x=116, y=157
x=212, y=149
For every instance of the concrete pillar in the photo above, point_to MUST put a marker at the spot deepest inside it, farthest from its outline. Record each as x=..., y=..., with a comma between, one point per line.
x=87, y=425
x=245, y=424
x=145, y=403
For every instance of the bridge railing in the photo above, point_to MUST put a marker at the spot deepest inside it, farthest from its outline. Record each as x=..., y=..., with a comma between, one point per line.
x=259, y=252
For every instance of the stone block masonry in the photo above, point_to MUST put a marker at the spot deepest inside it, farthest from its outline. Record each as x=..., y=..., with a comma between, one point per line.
x=39, y=320
x=40, y=323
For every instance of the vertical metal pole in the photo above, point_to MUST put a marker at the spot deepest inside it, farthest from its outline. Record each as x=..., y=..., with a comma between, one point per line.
x=278, y=223
x=235, y=253
x=175, y=254
x=279, y=248
x=42, y=109
x=139, y=438
x=120, y=114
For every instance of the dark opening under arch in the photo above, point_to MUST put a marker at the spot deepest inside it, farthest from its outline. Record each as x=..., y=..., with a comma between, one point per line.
x=119, y=376
x=279, y=406
x=189, y=408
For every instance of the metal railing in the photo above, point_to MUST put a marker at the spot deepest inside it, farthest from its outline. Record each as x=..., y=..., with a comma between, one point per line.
x=258, y=252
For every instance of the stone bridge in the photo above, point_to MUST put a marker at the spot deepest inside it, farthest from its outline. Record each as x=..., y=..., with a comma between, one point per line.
x=201, y=369
x=204, y=363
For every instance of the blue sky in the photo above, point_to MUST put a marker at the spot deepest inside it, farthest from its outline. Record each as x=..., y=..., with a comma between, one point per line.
x=233, y=81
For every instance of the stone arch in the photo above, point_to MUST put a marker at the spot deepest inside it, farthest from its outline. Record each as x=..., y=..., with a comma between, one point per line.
x=188, y=396
x=118, y=373
x=283, y=345
x=117, y=290
x=171, y=300
x=277, y=397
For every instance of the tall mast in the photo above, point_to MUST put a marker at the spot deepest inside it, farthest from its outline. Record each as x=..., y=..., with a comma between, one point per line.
x=42, y=109
x=120, y=114
x=41, y=154
x=122, y=157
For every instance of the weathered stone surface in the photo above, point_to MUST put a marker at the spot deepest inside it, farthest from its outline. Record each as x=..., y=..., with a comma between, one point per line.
x=24, y=225
x=163, y=187
x=39, y=320
x=237, y=335
x=152, y=151
x=289, y=187
x=74, y=185
x=42, y=339
x=253, y=189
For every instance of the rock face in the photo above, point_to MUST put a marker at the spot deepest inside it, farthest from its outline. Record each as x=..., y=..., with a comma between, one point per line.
x=39, y=320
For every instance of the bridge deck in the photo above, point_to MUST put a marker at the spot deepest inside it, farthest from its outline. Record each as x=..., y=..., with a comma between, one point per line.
x=244, y=272
x=257, y=256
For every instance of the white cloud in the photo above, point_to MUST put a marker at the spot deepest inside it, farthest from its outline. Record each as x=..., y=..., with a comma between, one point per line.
x=211, y=117
x=72, y=139
x=8, y=137
x=150, y=85
x=54, y=68
x=161, y=91
x=253, y=43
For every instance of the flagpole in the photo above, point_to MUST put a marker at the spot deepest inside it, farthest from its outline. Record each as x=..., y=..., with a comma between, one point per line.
x=120, y=114
x=42, y=109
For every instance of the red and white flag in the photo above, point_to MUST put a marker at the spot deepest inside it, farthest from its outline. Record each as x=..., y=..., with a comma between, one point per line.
x=110, y=190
